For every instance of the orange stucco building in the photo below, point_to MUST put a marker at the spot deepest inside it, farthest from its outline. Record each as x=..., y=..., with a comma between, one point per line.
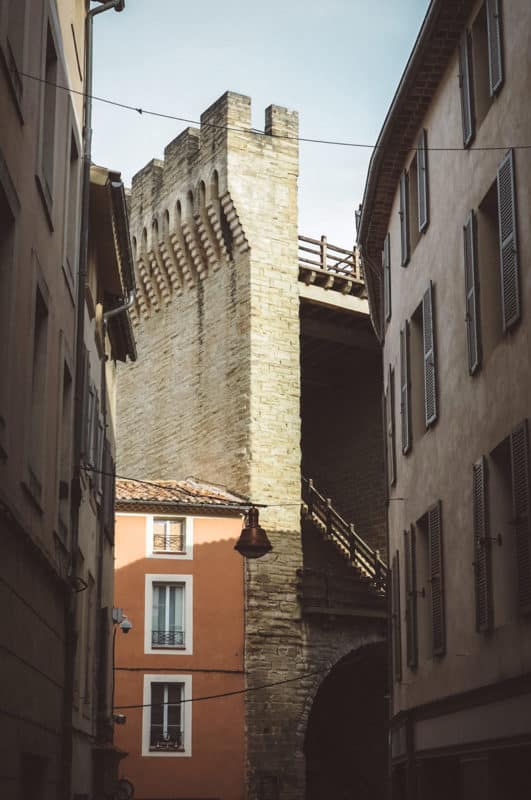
x=180, y=583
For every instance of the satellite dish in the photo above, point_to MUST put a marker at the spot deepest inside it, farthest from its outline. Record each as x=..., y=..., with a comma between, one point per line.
x=125, y=790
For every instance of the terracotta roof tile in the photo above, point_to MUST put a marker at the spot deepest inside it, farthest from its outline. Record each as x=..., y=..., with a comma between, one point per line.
x=186, y=492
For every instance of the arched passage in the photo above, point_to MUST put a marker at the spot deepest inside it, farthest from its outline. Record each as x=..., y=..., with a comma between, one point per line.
x=346, y=738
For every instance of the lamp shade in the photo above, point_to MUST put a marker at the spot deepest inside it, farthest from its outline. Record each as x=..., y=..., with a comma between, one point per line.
x=253, y=541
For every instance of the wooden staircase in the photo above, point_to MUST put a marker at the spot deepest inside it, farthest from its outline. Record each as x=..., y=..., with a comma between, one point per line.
x=369, y=568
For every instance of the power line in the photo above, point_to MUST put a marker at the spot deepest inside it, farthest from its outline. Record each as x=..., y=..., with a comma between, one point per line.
x=243, y=504
x=332, y=142
x=228, y=694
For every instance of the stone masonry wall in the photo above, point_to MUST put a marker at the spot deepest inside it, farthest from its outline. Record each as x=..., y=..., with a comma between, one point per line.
x=215, y=390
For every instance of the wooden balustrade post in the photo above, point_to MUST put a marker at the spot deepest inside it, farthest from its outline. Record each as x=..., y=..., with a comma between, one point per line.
x=328, y=517
x=352, y=542
x=378, y=569
x=324, y=254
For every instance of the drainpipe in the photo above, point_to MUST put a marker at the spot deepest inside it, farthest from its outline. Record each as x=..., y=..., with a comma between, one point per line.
x=129, y=303
x=75, y=494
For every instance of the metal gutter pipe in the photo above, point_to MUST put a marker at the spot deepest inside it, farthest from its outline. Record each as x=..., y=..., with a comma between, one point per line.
x=75, y=494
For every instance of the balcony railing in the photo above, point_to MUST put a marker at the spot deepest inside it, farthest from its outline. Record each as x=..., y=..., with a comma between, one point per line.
x=167, y=638
x=168, y=543
x=329, y=266
x=173, y=740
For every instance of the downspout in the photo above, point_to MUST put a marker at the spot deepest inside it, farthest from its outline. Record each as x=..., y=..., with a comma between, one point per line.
x=75, y=494
x=114, y=311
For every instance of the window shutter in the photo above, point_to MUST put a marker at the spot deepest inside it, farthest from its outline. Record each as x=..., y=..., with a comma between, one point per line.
x=109, y=489
x=472, y=294
x=422, y=181
x=510, y=278
x=404, y=218
x=386, y=263
x=494, y=32
x=465, y=85
x=521, y=512
x=85, y=403
x=437, y=579
x=430, y=371
x=405, y=409
x=411, y=598
x=482, y=560
x=390, y=428
x=395, y=611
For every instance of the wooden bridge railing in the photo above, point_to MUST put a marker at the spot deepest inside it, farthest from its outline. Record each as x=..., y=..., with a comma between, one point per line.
x=320, y=254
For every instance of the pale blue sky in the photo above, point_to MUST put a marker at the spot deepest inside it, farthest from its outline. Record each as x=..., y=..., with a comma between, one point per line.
x=338, y=64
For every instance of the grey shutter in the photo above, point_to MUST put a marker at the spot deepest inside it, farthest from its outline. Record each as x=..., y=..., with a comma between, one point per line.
x=109, y=489
x=404, y=218
x=494, y=33
x=472, y=294
x=405, y=408
x=430, y=371
x=85, y=408
x=395, y=613
x=482, y=559
x=465, y=85
x=510, y=278
x=422, y=181
x=521, y=512
x=411, y=598
x=390, y=428
x=436, y=579
x=386, y=263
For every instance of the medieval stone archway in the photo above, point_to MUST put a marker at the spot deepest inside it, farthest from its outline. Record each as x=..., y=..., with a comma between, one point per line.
x=346, y=737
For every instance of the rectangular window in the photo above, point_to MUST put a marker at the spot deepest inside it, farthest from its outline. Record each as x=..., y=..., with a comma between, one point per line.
x=72, y=211
x=431, y=524
x=405, y=405
x=48, y=121
x=389, y=410
x=16, y=27
x=472, y=294
x=7, y=238
x=65, y=452
x=422, y=182
x=169, y=614
x=411, y=597
x=423, y=366
x=396, y=618
x=168, y=535
x=38, y=395
x=89, y=640
x=482, y=546
x=386, y=263
x=404, y=219
x=167, y=716
x=167, y=621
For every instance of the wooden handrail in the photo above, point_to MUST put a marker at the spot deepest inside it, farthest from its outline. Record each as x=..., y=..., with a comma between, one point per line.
x=363, y=557
x=330, y=258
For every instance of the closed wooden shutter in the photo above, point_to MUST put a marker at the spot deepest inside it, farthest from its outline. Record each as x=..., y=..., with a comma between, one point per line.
x=411, y=598
x=422, y=181
x=521, y=512
x=405, y=408
x=390, y=427
x=404, y=218
x=436, y=579
x=510, y=278
x=482, y=558
x=109, y=488
x=430, y=371
x=494, y=32
x=465, y=85
x=85, y=384
x=395, y=613
x=472, y=294
x=386, y=262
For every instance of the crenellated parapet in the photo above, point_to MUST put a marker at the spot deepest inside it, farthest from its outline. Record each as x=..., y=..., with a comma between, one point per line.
x=186, y=219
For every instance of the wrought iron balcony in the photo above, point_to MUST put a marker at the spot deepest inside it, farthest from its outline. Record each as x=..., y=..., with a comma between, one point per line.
x=167, y=638
x=167, y=742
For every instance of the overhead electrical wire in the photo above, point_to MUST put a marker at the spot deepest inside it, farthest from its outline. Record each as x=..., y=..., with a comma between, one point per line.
x=332, y=142
x=229, y=694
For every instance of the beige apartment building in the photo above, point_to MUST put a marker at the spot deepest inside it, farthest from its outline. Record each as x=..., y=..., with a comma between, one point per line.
x=446, y=245
x=56, y=533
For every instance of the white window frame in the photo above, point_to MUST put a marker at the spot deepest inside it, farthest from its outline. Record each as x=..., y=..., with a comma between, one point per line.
x=186, y=715
x=188, y=537
x=187, y=580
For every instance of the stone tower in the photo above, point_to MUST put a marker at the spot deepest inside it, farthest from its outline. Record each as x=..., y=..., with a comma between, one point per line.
x=216, y=390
